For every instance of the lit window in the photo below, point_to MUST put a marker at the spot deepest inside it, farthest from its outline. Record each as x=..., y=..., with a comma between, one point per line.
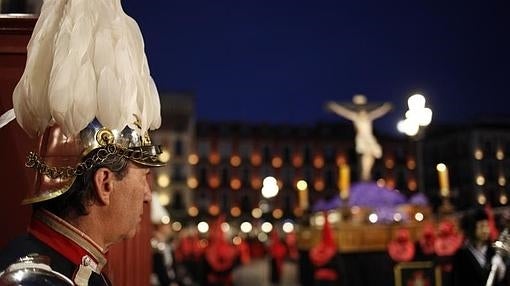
x=478, y=154
x=480, y=180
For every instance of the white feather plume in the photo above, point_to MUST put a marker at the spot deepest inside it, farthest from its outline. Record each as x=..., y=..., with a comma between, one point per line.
x=30, y=99
x=148, y=97
x=86, y=60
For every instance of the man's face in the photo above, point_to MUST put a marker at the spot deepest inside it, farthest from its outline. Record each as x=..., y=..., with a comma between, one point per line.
x=130, y=194
x=482, y=230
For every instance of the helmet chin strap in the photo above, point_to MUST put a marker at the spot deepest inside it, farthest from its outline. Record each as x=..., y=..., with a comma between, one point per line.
x=7, y=117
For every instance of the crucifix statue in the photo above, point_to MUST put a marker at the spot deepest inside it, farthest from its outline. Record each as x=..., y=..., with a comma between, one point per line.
x=362, y=114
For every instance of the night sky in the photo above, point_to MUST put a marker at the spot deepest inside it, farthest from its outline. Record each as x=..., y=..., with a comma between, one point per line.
x=279, y=61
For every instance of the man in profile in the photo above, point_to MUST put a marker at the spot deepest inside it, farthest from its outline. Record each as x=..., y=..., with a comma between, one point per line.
x=88, y=96
x=477, y=258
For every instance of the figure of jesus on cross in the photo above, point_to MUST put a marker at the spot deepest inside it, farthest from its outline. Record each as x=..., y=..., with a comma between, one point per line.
x=362, y=114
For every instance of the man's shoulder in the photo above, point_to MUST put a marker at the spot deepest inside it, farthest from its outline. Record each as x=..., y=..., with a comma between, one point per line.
x=19, y=247
x=26, y=245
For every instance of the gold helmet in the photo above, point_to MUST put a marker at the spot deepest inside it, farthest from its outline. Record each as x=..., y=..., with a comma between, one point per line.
x=86, y=87
x=61, y=158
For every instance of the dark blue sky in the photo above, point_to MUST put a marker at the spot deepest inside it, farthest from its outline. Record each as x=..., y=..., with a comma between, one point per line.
x=279, y=61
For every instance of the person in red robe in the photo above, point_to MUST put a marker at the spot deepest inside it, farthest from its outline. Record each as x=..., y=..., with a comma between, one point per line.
x=447, y=242
x=278, y=253
x=326, y=259
x=401, y=248
x=425, y=245
x=220, y=257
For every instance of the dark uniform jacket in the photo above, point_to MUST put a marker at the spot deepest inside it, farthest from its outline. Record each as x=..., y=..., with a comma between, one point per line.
x=467, y=271
x=71, y=252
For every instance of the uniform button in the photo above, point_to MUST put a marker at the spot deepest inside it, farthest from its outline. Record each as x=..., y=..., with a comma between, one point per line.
x=86, y=260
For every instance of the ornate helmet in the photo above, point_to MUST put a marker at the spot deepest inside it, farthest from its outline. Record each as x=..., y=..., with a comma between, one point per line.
x=86, y=87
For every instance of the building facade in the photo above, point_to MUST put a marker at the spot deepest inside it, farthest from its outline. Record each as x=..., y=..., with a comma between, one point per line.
x=219, y=167
x=477, y=158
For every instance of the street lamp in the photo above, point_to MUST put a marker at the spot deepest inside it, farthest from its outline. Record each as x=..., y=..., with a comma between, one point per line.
x=269, y=187
x=417, y=117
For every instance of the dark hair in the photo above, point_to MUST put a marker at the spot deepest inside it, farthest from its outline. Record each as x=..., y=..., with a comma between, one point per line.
x=81, y=194
x=469, y=221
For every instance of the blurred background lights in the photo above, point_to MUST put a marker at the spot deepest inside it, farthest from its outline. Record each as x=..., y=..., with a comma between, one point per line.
x=193, y=159
x=480, y=180
x=288, y=227
x=165, y=219
x=478, y=154
x=297, y=161
x=235, y=161
x=192, y=182
x=235, y=211
x=203, y=243
x=193, y=211
x=264, y=206
x=502, y=180
x=164, y=156
x=236, y=240
x=319, y=184
x=256, y=182
x=256, y=159
x=500, y=155
x=214, y=158
x=163, y=180
x=416, y=101
x=301, y=185
x=176, y=226
x=411, y=164
x=203, y=227
x=256, y=213
x=235, y=184
x=481, y=199
x=214, y=209
x=277, y=213
x=441, y=167
x=407, y=127
x=418, y=216
x=503, y=199
x=373, y=218
x=417, y=115
x=334, y=217
x=269, y=187
x=246, y=227
x=269, y=180
x=318, y=162
x=381, y=182
x=262, y=237
x=355, y=210
x=225, y=227
x=164, y=199
x=319, y=220
x=277, y=162
x=266, y=227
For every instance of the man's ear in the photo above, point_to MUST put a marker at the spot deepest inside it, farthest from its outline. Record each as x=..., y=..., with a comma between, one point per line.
x=104, y=181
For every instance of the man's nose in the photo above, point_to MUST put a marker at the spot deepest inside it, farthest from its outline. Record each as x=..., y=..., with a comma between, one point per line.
x=147, y=193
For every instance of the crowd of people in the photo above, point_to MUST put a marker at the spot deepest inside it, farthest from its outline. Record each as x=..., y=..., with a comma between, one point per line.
x=191, y=258
x=464, y=251
x=460, y=249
